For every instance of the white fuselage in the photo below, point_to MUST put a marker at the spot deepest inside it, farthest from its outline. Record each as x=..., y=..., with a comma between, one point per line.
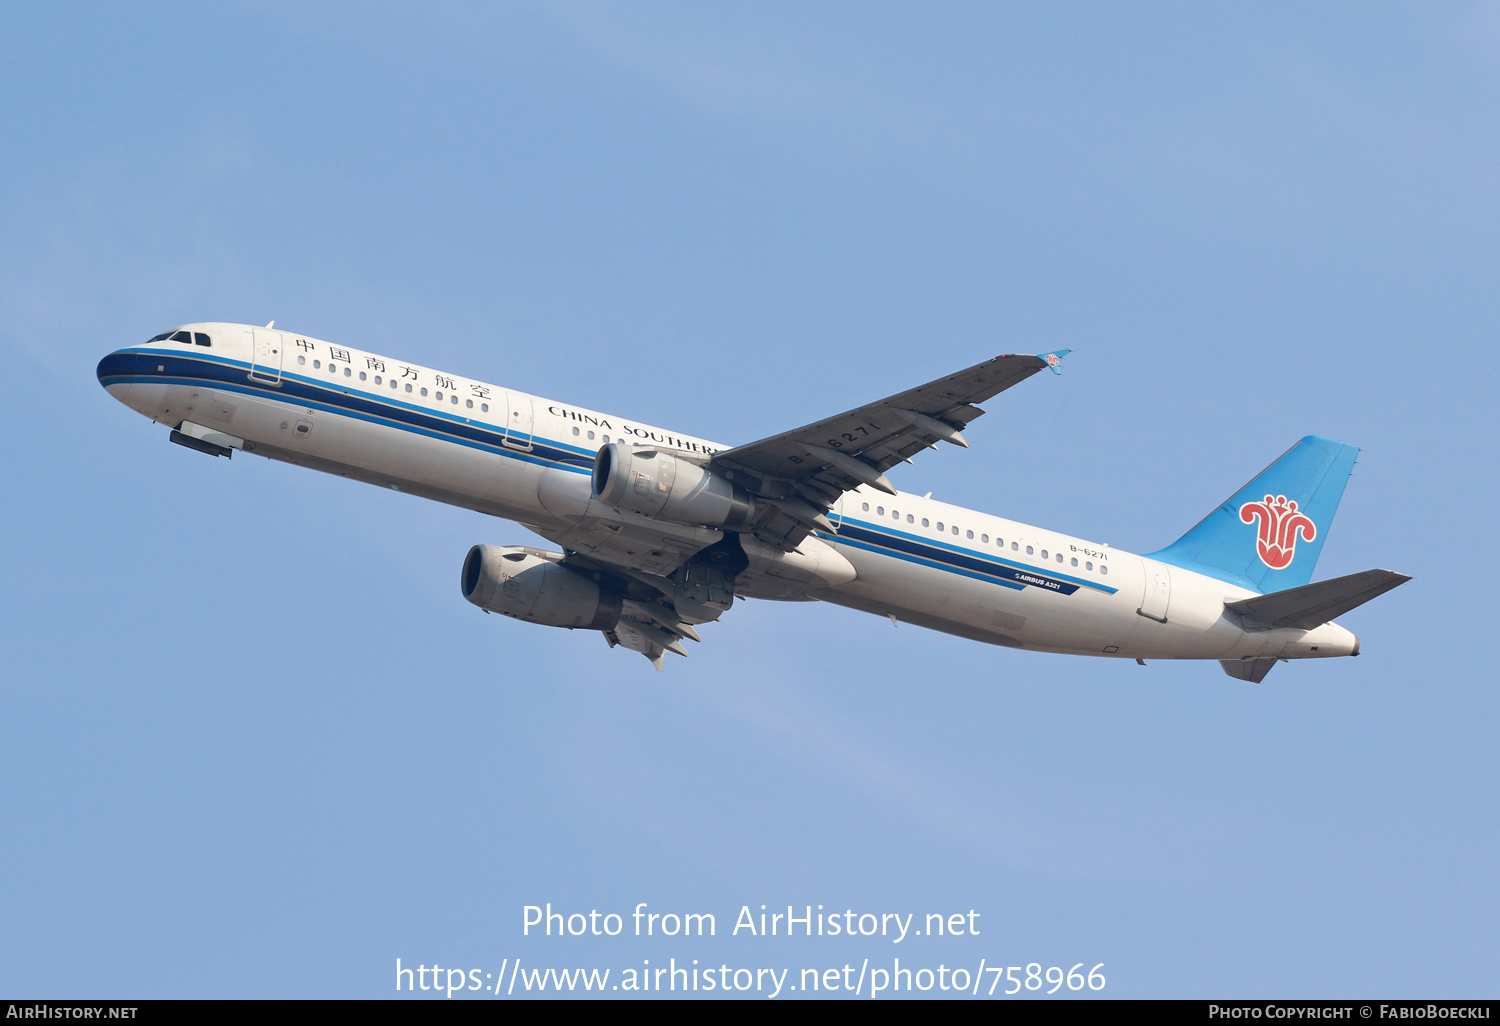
x=525, y=458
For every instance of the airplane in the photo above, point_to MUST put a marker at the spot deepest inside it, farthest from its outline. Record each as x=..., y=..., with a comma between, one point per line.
x=661, y=531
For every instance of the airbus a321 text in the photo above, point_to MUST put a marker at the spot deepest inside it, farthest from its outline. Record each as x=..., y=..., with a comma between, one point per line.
x=660, y=531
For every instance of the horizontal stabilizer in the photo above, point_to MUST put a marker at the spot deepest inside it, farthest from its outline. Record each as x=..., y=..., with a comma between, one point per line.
x=1253, y=670
x=1314, y=604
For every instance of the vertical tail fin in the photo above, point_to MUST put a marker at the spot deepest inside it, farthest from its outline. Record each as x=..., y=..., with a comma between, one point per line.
x=1267, y=536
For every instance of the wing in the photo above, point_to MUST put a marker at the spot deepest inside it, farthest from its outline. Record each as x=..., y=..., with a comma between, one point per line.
x=802, y=473
x=668, y=582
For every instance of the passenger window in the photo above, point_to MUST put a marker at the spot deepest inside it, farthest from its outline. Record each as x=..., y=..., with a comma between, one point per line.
x=1015, y=546
x=910, y=518
x=864, y=506
x=1000, y=543
x=377, y=379
x=200, y=339
x=1075, y=560
x=575, y=430
x=1044, y=553
x=348, y=372
x=1030, y=550
x=408, y=386
x=969, y=534
x=895, y=514
x=940, y=525
x=1088, y=566
x=591, y=438
x=317, y=364
x=485, y=408
x=424, y=391
x=1103, y=569
x=1059, y=559
x=469, y=403
x=606, y=439
x=453, y=400
x=925, y=523
x=437, y=395
x=880, y=511
x=361, y=375
x=955, y=529
x=395, y=384
x=182, y=336
x=984, y=538
x=301, y=359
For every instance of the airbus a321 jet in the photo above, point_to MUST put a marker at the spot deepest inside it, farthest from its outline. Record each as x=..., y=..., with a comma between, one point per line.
x=660, y=531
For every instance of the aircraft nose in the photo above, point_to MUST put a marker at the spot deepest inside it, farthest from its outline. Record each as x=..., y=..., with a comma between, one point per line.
x=115, y=372
x=115, y=367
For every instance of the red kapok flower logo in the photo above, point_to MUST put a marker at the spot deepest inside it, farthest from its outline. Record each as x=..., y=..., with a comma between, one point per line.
x=1280, y=524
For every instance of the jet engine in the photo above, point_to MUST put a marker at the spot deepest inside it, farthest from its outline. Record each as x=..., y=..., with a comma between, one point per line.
x=655, y=484
x=530, y=585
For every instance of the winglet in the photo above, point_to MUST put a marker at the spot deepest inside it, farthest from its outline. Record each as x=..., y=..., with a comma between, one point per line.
x=1054, y=359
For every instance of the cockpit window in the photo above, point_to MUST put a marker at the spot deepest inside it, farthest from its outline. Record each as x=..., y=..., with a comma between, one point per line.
x=186, y=337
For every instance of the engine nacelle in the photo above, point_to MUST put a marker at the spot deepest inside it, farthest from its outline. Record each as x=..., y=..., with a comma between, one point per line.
x=525, y=584
x=654, y=484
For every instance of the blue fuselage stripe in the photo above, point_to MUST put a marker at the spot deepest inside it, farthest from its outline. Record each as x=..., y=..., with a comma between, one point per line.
x=883, y=550
x=950, y=556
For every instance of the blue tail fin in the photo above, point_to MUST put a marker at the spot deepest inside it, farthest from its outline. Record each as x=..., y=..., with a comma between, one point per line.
x=1268, y=535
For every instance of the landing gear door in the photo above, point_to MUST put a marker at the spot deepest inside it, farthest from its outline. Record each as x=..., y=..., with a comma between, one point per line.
x=518, y=421
x=265, y=355
x=1158, y=591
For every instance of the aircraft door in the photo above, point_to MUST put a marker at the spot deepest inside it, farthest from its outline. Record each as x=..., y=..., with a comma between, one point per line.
x=265, y=355
x=1158, y=593
x=518, y=427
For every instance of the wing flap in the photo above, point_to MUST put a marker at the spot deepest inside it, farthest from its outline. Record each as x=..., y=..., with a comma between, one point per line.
x=1314, y=604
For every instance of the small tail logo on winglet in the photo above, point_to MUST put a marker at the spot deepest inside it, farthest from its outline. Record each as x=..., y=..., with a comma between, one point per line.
x=1280, y=524
x=1054, y=359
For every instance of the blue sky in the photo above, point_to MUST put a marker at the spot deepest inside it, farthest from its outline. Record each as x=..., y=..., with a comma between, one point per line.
x=254, y=743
